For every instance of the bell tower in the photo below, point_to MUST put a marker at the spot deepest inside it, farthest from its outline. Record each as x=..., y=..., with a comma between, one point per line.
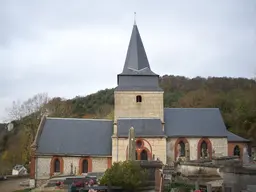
x=138, y=94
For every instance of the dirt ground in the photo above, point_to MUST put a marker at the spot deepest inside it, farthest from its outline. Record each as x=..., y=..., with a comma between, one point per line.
x=11, y=185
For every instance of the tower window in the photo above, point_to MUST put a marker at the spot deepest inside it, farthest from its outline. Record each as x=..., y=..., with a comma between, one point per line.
x=138, y=99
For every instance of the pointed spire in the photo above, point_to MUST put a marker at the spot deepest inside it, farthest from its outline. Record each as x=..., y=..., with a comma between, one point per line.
x=137, y=75
x=134, y=18
x=136, y=59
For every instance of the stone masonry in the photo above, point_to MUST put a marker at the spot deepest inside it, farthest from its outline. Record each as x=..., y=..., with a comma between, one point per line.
x=99, y=164
x=126, y=106
x=156, y=146
x=219, y=145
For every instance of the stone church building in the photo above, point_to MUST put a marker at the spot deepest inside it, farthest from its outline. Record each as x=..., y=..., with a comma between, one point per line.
x=65, y=145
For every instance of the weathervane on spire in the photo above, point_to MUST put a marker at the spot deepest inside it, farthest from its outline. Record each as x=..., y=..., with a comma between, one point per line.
x=134, y=18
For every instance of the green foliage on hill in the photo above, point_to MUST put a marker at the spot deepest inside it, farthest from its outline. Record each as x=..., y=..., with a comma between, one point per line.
x=236, y=98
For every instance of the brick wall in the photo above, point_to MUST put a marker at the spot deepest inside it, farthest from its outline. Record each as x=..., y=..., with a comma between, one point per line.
x=231, y=146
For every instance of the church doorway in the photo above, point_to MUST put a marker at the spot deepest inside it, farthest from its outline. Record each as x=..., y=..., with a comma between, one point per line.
x=144, y=155
x=85, y=166
x=142, y=151
x=236, y=151
x=56, y=166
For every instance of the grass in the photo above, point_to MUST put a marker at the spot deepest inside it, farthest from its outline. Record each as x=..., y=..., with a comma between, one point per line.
x=23, y=190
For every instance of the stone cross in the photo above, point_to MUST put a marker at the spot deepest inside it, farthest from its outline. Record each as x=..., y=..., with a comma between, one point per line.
x=245, y=156
x=179, y=149
x=187, y=152
x=213, y=153
x=203, y=153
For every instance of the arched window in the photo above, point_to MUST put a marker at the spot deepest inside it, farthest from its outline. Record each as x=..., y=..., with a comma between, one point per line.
x=138, y=99
x=85, y=166
x=144, y=155
x=182, y=149
x=56, y=166
x=142, y=152
x=139, y=144
x=204, y=148
x=236, y=151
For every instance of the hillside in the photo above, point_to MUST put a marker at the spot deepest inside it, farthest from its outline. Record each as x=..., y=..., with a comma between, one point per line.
x=236, y=98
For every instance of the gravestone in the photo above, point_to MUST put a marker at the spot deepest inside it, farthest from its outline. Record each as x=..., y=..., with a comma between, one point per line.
x=168, y=172
x=179, y=151
x=152, y=167
x=213, y=153
x=187, y=152
x=245, y=156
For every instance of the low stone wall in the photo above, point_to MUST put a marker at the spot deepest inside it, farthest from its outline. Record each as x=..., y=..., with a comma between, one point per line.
x=238, y=178
x=41, y=182
x=197, y=169
x=9, y=177
x=223, y=161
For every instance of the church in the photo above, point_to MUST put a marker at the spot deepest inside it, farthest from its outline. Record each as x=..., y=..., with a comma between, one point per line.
x=72, y=145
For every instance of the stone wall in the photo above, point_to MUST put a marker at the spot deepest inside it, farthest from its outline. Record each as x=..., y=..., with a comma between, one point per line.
x=156, y=146
x=99, y=164
x=42, y=167
x=238, y=178
x=126, y=106
x=193, y=170
x=219, y=145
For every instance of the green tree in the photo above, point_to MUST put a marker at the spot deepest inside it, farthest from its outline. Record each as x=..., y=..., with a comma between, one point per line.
x=128, y=174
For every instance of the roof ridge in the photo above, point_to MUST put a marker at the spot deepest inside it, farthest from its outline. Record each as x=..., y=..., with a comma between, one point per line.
x=192, y=108
x=137, y=118
x=79, y=119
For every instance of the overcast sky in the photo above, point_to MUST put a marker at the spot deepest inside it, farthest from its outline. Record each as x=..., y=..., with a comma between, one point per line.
x=68, y=48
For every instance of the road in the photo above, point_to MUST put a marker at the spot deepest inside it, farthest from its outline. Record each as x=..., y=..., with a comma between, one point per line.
x=11, y=185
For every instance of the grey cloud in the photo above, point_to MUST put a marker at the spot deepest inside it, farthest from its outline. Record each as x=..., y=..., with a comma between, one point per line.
x=75, y=48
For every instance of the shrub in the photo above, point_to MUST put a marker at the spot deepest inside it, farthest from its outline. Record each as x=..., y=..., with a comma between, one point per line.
x=128, y=174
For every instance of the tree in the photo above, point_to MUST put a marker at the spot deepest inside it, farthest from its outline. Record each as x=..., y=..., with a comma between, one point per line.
x=27, y=116
x=29, y=113
x=59, y=107
x=128, y=174
x=103, y=111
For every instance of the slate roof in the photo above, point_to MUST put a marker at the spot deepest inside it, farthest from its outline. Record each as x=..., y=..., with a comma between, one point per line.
x=235, y=138
x=197, y=122
x=143, y=127
x=194, y=122
x=76, y=137
x=136, y=62
x=137, y=74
